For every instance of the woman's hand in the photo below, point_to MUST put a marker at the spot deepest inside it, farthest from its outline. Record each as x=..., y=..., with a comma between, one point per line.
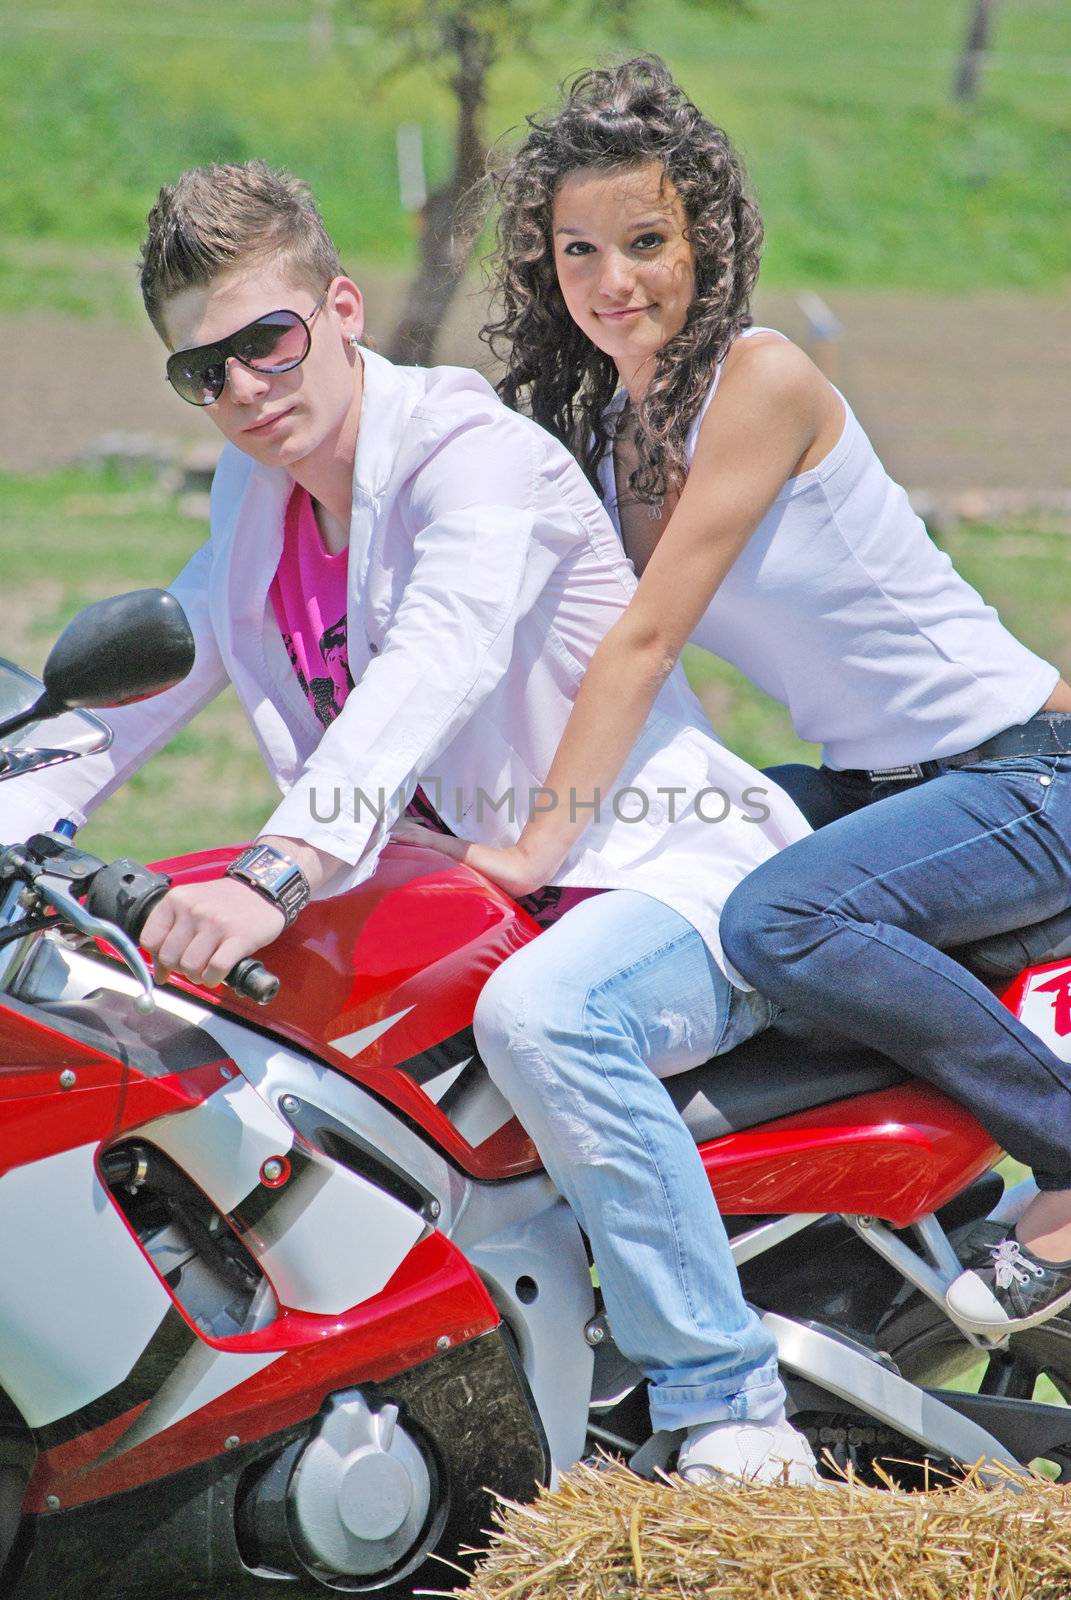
x=510, y=867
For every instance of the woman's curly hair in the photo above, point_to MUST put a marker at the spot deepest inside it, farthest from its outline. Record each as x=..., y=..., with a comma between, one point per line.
x=616, y=118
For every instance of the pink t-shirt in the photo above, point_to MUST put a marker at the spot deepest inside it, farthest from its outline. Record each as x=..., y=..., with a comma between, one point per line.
x=308, y=594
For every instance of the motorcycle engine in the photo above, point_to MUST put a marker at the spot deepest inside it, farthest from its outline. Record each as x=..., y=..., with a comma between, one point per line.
x=360, y=1493
x=351, y=1501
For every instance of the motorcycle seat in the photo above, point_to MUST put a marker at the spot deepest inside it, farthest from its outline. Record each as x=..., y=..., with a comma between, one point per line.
x=1003, y=956
x=786, y=1070
x=775, y=1074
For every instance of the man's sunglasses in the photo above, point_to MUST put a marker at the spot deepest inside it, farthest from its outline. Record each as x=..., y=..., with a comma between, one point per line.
x=277, y=342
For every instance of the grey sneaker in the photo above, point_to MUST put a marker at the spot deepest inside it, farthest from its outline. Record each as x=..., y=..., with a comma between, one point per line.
x=1005, y=1287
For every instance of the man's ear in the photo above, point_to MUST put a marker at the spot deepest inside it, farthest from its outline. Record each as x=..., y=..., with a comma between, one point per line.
x=348, y=302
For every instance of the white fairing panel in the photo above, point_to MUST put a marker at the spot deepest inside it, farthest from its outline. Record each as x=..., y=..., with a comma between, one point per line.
x=330, y=1240
x=334, y=1240
x=200, y=1377
x=80, y=1300
x=223, y=1142
x=1046, y=1008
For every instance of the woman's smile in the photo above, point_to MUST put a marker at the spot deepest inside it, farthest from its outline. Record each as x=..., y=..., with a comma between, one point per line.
x=621, y=315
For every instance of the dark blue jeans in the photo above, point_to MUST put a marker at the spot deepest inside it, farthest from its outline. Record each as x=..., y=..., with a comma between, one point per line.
x=850, y=928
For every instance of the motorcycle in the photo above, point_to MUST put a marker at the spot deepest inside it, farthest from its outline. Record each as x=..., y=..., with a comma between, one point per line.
x=284, y=1290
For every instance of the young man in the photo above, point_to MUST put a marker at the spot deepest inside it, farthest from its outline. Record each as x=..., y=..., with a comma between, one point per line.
x=405, y=582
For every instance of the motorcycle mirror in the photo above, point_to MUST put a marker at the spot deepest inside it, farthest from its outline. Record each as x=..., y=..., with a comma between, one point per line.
x=125, y=648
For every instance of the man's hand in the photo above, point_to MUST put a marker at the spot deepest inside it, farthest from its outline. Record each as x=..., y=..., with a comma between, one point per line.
x=202, y=929
x=509, y=866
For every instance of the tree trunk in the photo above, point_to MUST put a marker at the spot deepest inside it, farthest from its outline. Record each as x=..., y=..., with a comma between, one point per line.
x=975, y=45
x=447, y=238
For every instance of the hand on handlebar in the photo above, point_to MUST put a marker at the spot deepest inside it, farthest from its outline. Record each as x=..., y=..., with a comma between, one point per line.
x=204, y=929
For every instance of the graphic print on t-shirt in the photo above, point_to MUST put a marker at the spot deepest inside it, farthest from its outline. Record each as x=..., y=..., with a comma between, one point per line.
x=326, y=692
x=309, y=586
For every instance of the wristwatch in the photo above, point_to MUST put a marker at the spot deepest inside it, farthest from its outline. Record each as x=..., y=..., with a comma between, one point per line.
x=275, y=876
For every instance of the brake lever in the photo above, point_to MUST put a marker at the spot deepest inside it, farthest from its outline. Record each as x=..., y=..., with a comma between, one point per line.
x=96, y=928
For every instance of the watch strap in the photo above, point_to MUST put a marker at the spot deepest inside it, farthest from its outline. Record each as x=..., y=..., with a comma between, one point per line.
x=274, y=875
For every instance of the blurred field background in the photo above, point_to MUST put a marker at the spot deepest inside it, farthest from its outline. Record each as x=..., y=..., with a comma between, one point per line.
x=937, y=231
x=867, y=174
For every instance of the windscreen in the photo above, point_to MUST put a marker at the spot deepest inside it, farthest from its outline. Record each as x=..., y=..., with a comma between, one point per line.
x=43, y=744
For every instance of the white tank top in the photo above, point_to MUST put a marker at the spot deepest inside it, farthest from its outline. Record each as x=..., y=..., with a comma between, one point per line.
x=842, y=607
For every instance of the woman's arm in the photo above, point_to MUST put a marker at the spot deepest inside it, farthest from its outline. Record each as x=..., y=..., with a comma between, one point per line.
x=773, y=412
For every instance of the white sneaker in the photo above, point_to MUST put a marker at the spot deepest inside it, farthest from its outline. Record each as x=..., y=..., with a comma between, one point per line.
x=755, y=1452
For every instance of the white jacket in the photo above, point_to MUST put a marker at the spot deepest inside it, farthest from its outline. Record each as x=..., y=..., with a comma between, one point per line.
x=482, y=574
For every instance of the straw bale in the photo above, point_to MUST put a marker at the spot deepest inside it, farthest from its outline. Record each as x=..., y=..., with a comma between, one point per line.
x=607, y=1535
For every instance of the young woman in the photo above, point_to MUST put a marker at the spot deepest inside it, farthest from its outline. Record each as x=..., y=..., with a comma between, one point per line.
x=763, y=526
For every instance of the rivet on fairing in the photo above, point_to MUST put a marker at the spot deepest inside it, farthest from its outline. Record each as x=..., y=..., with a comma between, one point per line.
x=274, y=1172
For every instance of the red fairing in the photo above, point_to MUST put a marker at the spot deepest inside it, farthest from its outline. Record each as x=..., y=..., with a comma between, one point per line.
x=896, y=1154
x=419, y=938
x=435, y=1294
x=408, y=952
x=28, y=1043
x=39, y=1119
x=1052, y=982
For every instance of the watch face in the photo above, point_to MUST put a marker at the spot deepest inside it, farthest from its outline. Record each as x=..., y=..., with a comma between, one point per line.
x=264, y=871
x=271, y=873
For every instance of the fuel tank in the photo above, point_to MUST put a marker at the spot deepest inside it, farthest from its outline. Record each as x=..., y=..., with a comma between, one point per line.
x=381, y=983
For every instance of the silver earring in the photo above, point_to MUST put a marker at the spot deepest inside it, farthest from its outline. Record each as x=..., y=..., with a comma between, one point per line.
x=354, y=341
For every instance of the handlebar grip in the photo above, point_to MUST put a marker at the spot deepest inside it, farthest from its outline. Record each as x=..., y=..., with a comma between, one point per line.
x=252, y=980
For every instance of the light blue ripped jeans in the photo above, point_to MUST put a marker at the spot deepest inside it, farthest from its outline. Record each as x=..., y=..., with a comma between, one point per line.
x=576, y=1030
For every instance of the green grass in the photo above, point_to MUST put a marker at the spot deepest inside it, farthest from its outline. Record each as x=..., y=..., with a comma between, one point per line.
x=867, y=174
x=74, y=537
x=71, y=537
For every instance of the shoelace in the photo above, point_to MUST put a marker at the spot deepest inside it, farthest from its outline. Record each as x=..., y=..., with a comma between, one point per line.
x=1012, y=1266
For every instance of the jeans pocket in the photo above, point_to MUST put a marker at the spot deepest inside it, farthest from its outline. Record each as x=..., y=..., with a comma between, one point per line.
x=1028, y=780
x=1015, y=786
x=1025, y=766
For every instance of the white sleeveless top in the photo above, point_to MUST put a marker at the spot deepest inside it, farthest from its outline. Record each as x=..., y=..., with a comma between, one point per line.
x=842, y=607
